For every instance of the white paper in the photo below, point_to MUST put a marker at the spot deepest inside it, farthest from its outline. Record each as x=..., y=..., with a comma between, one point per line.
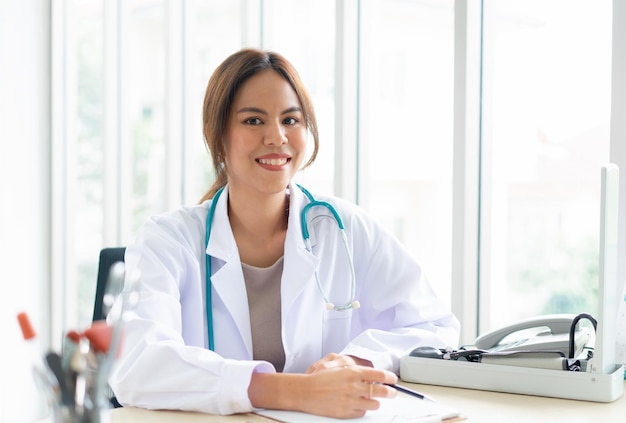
x=402, y=409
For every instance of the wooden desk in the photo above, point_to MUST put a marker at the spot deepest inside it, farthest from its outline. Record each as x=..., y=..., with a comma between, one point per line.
x=477, y=406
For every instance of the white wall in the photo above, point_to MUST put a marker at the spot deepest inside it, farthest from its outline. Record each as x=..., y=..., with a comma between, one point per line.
x=24, y=196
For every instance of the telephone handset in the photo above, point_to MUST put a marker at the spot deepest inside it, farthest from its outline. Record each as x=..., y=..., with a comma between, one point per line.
x=541, y=333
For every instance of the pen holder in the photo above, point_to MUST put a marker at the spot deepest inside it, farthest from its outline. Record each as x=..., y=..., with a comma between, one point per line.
x=75, y=383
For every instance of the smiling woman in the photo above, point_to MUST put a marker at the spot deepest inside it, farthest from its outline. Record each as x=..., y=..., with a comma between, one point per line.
x=272, y=337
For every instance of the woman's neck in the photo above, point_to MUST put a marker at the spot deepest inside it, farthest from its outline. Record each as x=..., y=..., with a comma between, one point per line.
x=259, y=224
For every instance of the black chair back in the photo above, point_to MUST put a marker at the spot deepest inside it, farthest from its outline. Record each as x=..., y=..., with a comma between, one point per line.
x=108, y=256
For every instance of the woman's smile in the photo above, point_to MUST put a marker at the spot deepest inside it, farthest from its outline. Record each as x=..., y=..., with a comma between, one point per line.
x=273, y=162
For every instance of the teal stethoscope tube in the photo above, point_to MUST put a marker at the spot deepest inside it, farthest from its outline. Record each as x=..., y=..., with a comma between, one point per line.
x=352, y=303
x=209, y=296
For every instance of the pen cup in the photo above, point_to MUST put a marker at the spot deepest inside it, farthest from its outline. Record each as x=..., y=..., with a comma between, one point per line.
x=80, y=374
x=75, y=383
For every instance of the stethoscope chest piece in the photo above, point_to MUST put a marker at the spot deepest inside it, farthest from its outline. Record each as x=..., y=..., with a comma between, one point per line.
x=354, y=305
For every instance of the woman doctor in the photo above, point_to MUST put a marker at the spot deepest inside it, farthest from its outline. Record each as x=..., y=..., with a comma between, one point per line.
x=275, y=339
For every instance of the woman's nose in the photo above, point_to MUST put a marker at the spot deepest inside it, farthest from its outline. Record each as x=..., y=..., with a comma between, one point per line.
x=275, y=134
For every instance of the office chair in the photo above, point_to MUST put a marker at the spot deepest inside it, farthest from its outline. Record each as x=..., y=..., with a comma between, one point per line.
x=108, y=257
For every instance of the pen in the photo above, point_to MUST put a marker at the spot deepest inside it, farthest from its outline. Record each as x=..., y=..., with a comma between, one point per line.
x=409, y=392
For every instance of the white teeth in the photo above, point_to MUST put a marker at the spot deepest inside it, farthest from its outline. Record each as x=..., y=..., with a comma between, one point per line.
x=273, y=162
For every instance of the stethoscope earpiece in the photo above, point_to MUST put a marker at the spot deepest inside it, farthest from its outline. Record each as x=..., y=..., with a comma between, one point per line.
x=356, y=304
x=330, y=306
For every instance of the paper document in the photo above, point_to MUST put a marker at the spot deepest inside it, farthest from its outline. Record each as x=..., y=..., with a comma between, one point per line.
x=402, y=409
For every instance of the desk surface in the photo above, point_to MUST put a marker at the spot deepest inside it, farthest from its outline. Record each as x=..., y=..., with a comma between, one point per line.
x=477, y=406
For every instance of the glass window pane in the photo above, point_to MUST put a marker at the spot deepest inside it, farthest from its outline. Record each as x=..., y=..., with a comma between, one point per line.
x=547, y=76
x=84, y=157
x=405, y=130
x=143, y=105
x=206, y=23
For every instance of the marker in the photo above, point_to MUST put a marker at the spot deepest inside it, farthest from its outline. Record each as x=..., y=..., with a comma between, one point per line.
x=409, y=392
x=45, y=379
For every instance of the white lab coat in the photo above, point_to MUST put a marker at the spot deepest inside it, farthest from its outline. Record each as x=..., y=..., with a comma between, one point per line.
x=165, y=363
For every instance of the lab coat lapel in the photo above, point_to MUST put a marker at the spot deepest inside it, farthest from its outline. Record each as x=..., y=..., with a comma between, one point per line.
x=302, y=306
x=227, y=281
x=300, y=265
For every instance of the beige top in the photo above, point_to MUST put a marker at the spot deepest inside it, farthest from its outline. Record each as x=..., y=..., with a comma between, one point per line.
x=263, y=287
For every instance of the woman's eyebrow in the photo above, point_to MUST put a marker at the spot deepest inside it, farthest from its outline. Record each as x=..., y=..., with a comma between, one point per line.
x=252, y=109
x=291, y=110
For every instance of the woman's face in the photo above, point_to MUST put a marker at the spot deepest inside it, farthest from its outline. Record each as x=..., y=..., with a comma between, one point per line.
x=266, y=135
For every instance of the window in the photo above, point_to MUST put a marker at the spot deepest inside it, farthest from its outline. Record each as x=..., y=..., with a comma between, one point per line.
x=405, y=127
x=383, y=83
x=545, y=135
x=83, y=167
x=205, y=45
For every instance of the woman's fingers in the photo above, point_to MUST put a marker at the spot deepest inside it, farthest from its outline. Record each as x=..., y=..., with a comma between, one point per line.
x=336, y=386
x=346, y=392
x=379, y=390
x=330, y=361
x=369, y=374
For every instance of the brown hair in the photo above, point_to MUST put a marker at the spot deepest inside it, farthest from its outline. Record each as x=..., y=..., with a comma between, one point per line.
x=220, y=93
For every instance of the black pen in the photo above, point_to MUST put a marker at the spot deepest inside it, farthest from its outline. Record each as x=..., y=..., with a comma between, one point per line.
x=409, y=392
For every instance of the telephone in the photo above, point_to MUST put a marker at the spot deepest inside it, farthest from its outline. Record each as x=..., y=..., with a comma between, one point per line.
x=541, y=333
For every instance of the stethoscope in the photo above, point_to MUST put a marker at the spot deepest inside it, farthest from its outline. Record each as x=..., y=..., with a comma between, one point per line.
x=350, y=304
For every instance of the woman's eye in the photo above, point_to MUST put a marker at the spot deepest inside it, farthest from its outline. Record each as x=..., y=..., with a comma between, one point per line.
x=253, y=121
x=290, y=121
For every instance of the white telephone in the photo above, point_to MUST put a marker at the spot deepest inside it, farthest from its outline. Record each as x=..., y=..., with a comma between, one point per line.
x=541, y=333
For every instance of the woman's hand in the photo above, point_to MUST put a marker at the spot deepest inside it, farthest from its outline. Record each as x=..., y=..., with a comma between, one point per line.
x=339, y=391
x=337, y=360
